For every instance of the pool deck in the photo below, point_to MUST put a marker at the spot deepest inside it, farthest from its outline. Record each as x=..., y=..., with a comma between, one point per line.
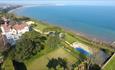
x=80, y=45
x=83, y=46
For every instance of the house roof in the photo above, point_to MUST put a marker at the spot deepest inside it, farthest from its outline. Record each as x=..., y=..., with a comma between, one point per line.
x=19, y=26
x=15, y=26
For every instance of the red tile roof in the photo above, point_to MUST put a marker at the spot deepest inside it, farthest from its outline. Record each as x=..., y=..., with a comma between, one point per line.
x=19, y=26
x=16, y=26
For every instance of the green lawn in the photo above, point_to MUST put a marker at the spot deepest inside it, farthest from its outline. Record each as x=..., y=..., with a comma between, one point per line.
x=41, y=62
x=8, y=65
x=110, y=65
x=69, y=38
x=41, y=25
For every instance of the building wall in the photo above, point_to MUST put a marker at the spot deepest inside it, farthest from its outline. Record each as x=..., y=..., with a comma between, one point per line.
x=13, y=34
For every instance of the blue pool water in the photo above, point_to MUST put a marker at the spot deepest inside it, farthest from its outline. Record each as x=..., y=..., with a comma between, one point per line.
x=83, y=51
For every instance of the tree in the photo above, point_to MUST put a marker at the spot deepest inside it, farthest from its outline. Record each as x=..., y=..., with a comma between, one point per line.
x=53, y=40
x=82, y=66
x=62, y=63
x=53, y=63
x=57, y=64
x=28, y=45
x=53, y=34
x=94, y=67
x=88, y=65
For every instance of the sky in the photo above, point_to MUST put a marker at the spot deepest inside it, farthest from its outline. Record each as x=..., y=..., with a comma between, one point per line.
x=65, y=2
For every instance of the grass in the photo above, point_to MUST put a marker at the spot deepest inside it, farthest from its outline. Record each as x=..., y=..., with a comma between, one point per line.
x=8, y=65
x=40, y=25
x=69, y=38
x=41, y=62
x=110, y=65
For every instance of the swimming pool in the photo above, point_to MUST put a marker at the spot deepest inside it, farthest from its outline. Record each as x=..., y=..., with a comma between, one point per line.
x=83, y=51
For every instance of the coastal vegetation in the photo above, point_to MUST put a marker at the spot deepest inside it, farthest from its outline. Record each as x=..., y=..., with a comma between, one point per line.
x=45, y=47
x=28, y=45
x=60, y=64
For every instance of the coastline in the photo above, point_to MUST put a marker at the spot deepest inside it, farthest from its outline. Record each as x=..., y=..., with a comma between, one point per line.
x=94, y=47
x=89, y=37
x=78, y=33
x=67, y=29
x=23, y=6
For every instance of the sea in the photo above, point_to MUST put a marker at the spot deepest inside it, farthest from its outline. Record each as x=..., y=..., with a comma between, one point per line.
x=93, y=21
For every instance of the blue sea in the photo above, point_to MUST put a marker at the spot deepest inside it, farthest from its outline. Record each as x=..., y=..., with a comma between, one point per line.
x=93, y=21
